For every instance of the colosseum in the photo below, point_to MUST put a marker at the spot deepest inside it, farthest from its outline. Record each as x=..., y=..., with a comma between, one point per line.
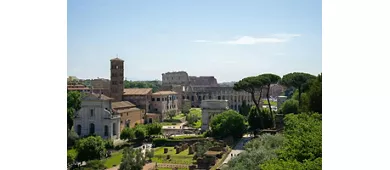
x=196, y=89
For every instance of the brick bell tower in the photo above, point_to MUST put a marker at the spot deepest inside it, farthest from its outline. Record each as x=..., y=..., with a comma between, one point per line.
x=116, y=81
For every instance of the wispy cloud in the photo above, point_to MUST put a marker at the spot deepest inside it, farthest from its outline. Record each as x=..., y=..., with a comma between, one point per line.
x=248, y=40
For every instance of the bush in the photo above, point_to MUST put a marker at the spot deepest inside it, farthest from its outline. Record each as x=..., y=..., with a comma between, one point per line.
x=109, y=144
x=95, y=164
x=71, y=156
x=290, y=106
x=72, y=138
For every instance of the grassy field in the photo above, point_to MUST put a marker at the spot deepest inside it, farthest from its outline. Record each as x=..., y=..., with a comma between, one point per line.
x=179, y=116
x=273, y=103
x=181, y=158
x=115, y=159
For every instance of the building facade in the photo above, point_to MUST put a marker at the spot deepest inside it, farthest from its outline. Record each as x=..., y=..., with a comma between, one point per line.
x=117, y=75
x=130, y=114
x=163, y=102
x=96, y=116
x=141, y=97
x=79, y=87
x=210, y=108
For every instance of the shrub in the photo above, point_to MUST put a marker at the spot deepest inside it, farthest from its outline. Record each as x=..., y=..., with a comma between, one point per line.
x=109, y=144
x=290, y=106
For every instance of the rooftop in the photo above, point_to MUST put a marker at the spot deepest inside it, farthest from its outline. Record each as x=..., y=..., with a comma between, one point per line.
x=164, y=93
x=136, y=91
x=122, y=104
x=116, y=58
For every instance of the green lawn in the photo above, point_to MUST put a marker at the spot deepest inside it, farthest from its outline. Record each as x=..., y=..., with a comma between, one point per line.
x=181, y=158
x=179, y=116
x=272, y=103
x=115, y=159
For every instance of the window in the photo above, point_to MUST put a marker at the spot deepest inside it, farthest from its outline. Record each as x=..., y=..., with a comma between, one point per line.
x=121, y=74
x=223, y=97
x=91, y=112
x=153, y=99
x=106, y=130
x=91, y=128
x=150, y=120
x=184, y=97
x=127, y=123
x=114, y=82
x=188, y=97
x=79, y=130
x=192, y=98
x=210, y=97
x=127, y=114
x=158, y=99
x=219, y=97
x=114, y=129
x=121, y=82
x=121, y=115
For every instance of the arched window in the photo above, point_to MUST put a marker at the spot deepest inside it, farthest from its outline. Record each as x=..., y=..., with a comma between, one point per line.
x=114, y=129
x=78, y=129
x=106, y=130
x=91, y=128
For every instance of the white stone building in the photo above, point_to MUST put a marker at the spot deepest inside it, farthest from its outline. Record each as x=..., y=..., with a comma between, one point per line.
x=97, y=117
x=210, y=108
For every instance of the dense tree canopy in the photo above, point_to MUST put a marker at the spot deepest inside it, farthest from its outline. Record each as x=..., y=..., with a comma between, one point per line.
x=73, y=105
x=299, y=81
x=154, y=128
x=132, y=159
x=256, y=152
x=72, y=138
x=127, y=134
x=244, y=109
x=303, y=145
x=228, y=123
x=254, y=118
x=90, y=148
x=140, y=132
x=315, y=95
x=290, y=106
x=155, y=85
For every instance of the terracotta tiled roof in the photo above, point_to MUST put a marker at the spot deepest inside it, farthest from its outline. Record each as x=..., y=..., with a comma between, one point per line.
x=128, y=110
x=122, y=104
x=164, y=93
x=136, y=91
x=101, y=96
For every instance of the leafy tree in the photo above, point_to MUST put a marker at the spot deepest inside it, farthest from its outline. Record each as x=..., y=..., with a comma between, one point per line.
x=228, y=123
x=292, y=165
x=71, y=156
x=290, y=106
x=140, y=132
x=155, y=85
x=90, y=148
x=257, y=151
x=171, y=114
x=315, y=95
x=94, y=165
x=297, y=80
x=302, y=148
x=244, y=109
x=252, y=85
x=154, y=129
x=133, y=159
x=127, y=134
x=253, y=120
x=271, y=79
x=72, y=137
x=193, y=117
x=149, y=153
x=202, y=147
x=73, y=105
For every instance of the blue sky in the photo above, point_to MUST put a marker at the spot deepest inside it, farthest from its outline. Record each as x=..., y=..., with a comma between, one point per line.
x=228, y=39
